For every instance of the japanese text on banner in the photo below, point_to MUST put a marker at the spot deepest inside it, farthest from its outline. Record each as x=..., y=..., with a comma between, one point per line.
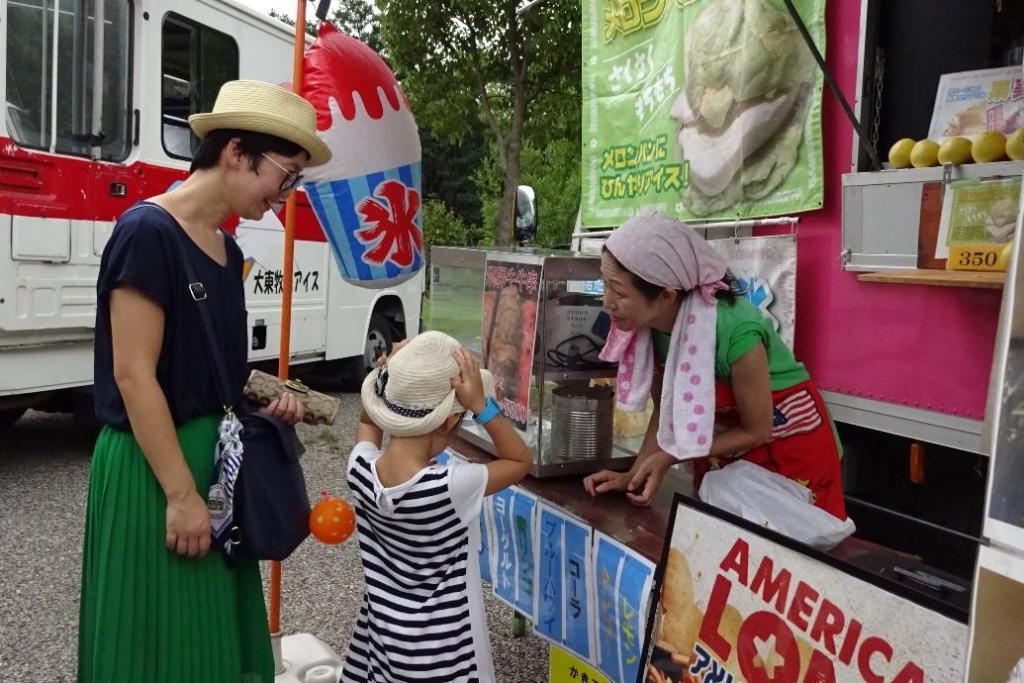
x=623, y=586
x=565, y=589
x=512, y=512
x=701, y=108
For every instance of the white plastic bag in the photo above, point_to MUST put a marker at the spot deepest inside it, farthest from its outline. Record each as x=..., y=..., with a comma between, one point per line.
x=771, y=500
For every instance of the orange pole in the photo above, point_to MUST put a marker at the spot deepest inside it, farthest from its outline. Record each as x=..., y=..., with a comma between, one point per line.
x=274, y=609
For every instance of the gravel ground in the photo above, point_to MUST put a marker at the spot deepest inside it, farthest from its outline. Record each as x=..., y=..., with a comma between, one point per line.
x=44, y=472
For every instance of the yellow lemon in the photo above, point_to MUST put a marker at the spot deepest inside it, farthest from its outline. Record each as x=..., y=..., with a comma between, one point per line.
x=1015, y=145
x=925, y=154
x=955, y=151
x=989, y=147
x=899, y=153
x=1004, y=257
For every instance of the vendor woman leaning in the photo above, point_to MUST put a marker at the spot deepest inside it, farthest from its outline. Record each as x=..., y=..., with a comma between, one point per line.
x=725, y=385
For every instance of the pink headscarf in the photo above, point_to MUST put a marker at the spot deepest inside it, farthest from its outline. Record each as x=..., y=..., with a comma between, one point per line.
x=668, y=253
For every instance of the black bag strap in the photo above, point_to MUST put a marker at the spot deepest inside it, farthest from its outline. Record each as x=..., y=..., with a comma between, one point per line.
x=197, y=291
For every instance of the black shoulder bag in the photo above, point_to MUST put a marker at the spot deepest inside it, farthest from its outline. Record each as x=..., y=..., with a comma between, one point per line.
x=258, y=501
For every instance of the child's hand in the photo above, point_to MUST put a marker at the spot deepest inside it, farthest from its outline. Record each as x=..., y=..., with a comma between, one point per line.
x=395, y=348
x=469, y=387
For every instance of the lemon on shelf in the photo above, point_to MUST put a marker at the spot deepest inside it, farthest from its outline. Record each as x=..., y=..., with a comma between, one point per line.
x=924, y=154
x=899, y=153
x=989, y=147
x=1015, y=145
x=955, y=150
x=1004, y=257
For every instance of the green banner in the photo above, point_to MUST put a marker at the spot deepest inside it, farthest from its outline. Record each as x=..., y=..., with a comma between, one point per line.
x=702, y=108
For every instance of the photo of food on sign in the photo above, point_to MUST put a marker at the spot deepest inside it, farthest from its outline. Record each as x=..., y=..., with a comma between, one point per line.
x=511, y=294
x=741, y=112
x=701, y=108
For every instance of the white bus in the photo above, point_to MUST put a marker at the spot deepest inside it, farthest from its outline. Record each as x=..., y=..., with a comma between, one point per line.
x=97, y=94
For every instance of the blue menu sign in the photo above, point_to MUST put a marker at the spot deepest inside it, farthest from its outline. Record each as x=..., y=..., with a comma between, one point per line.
x=565, y=598
x=623, y=582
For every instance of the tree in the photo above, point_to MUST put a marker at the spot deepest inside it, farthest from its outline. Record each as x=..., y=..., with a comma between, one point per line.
x=441, y=227
x=448, y=169
x=311, y=24
x=357, y=18
x=554, y=173
x=476, y=62
x=448, y=172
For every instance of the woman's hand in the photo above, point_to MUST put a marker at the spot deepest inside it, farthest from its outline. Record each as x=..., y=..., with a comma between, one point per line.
x=188, y=525
x=469, y=386
x=605, y=481
x=647, y=477
x=287, y=408
x=640, y=483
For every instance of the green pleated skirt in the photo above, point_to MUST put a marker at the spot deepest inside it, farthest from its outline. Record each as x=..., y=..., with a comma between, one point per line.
x=148, y=614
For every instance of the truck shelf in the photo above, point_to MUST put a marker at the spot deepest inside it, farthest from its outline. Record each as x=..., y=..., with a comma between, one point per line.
x=937, y=278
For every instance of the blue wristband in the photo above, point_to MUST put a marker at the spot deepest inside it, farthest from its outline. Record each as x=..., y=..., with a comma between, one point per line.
x=492, y=411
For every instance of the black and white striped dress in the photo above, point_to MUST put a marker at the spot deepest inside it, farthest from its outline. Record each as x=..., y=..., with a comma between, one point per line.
x=422, y=617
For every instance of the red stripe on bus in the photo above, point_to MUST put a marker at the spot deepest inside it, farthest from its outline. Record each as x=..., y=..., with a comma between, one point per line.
x=43, y=185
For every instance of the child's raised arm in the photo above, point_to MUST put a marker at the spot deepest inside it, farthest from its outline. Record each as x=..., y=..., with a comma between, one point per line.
x=514, y=458
x=366, y=430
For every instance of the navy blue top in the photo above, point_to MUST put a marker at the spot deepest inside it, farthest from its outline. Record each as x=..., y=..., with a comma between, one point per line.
x=142, y=253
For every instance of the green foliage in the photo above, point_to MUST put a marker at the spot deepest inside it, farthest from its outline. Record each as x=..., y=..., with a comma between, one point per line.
x=554, y=174
x=360, y=19
x=476, y=65
x=497, y=97
x=311, y=24
x=448, y=171
x=357, y=18
x=441, y=227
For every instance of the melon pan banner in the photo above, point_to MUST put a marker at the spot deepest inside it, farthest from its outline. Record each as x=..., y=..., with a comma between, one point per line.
x=705, y=109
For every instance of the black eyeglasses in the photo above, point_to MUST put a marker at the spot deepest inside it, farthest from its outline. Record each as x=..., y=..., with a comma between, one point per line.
x=291, y=178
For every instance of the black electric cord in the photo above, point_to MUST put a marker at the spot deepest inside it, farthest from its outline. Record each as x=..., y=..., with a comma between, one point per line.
x=576, y=353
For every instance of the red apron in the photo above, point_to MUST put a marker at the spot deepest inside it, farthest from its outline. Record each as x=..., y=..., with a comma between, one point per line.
x=802, y=447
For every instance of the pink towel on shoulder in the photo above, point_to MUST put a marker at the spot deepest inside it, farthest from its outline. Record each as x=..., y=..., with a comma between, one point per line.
x=634, y=353
x=668, y=253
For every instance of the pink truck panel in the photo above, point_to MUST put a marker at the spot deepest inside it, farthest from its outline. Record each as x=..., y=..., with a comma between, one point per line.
x=918, y=346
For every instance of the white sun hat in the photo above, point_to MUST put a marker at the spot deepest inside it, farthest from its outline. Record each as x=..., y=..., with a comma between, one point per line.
x=412, y=395
x=264, y=108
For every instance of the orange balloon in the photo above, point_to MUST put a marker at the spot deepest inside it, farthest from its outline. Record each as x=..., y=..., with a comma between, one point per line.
x=332, y=520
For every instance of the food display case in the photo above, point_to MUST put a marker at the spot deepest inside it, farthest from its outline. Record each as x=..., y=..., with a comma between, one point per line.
x=535, y=318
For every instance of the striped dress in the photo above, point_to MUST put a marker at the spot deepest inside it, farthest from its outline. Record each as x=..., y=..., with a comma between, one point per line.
x=422, y=616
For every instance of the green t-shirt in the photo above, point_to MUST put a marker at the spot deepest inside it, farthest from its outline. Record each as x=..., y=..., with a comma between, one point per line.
x=739, y=327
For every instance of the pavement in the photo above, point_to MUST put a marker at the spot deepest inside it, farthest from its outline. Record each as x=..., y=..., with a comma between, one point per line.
x=44, y=474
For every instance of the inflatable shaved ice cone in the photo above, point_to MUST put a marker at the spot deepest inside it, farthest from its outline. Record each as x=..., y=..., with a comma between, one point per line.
x=367, y=198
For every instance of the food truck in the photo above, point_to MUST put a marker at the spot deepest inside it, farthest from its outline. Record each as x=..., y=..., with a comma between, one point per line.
x=716, y=112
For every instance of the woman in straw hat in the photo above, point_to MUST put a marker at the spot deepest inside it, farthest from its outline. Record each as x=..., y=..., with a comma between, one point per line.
x=155, y=605
x=419, y=532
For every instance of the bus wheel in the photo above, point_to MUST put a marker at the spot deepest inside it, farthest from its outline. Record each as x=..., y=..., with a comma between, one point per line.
x=378, y=343
x=10, y=416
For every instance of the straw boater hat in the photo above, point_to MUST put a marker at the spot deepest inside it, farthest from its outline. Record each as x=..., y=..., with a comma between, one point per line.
x=264, y=108
x=412, y=395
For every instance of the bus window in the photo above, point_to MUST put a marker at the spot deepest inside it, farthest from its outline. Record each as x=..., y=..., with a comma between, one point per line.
x=79, y=127
x=197, y=60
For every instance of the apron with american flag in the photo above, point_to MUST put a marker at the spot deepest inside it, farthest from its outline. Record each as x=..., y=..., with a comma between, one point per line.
x=802, y=447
